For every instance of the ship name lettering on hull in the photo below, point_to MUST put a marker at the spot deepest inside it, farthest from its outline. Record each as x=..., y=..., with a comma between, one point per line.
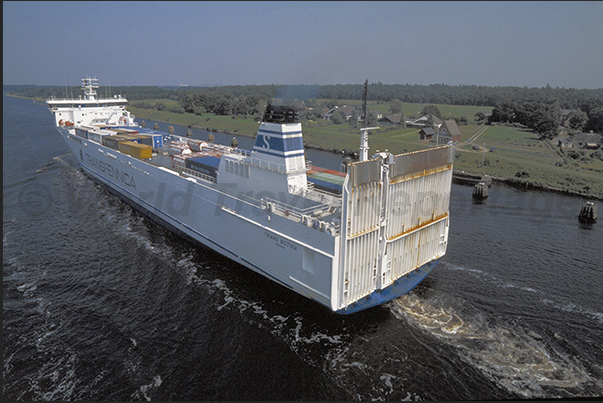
x=281, y=243
x=108, y=169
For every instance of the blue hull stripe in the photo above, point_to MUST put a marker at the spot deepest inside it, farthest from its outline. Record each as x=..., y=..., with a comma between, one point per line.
x=277, y=154
x=280, y=133
x=398, y=288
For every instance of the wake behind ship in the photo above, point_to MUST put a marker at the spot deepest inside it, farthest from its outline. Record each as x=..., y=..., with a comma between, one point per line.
x=349, y=241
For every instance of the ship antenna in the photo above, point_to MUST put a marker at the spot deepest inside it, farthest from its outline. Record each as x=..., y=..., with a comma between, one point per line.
x=364, y=147
x=364, y=103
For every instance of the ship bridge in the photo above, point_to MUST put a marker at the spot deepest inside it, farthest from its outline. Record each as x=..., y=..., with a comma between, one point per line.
x=90, y=110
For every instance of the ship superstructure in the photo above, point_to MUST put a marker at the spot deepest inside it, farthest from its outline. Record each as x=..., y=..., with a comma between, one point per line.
x=346, y=240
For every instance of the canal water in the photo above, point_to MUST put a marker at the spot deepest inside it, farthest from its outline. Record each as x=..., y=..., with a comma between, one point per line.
x=101, y=303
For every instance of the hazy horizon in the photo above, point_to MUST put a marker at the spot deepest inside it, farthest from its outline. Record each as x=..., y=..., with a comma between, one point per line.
x=517, y=44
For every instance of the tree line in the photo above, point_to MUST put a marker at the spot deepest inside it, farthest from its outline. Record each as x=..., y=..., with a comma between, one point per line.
x=568, y=98
x=545, y=118
x=133, y=93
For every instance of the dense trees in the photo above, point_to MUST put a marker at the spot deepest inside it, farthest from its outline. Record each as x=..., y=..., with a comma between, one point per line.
x=595, y=120
x=577, y=119
x=543, y=118
x=568, y=98
x=431, y=109
x=134, y=93
x=200, y=101
x=396, y=106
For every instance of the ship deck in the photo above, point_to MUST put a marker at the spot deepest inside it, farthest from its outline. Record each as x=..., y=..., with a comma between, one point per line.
x=321, y=201
x=319, y=178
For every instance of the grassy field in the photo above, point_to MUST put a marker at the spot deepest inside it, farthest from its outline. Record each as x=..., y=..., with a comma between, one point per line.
x=518, y=156
x=414, y=110
x=245, y=127
x=167, y=102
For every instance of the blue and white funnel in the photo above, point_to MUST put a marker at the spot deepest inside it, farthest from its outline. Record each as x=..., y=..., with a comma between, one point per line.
x=279, y=140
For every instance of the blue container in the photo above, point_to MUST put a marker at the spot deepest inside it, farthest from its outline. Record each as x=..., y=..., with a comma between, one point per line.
x=154, y=134
x=207, y=165
x=324, y=185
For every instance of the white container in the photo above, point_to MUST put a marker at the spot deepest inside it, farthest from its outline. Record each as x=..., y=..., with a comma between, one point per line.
x=177, y=148
x=197, y=145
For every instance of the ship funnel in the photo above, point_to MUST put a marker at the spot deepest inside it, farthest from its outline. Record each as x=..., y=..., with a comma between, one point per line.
x=278, y=151
x=279, y=141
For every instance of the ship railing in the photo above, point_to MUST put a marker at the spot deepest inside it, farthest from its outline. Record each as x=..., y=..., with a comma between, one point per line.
x=198, y=174
x=238, y=151
x=321, y=196
x=267, y=164
x=309, y=216
x=273, y=166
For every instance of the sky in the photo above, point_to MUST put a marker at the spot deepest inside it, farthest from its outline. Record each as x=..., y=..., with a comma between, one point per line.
x=531, y=44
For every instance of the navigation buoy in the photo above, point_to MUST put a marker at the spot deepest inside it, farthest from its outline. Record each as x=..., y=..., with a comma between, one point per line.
x=588, y=213
x=155, y=126
x=171, y=129
x=143, y=124
x=210, y=138
x=189, y=132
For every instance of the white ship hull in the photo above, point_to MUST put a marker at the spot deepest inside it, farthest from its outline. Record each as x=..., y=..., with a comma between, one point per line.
x=373, y=240
x=269, y=244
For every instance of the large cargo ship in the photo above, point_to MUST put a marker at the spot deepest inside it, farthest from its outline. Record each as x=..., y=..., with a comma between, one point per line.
x=348, y=241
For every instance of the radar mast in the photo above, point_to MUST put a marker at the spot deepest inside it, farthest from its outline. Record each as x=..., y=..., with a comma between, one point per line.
x=364, y=147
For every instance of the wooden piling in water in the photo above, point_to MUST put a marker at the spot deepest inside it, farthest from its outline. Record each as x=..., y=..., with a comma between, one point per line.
x=588, y=213
x=480, y=191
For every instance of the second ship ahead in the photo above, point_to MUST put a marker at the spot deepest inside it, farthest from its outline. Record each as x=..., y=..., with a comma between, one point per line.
x=349, y=241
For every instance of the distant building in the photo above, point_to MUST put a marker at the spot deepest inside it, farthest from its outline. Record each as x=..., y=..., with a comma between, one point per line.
x=345, y=110
x=449, y=131
x=395, y=120
x=378, y=115
x=446, y=132
x=566, y=116
x=427, y=133
x=582, y=140
x=424, y=120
